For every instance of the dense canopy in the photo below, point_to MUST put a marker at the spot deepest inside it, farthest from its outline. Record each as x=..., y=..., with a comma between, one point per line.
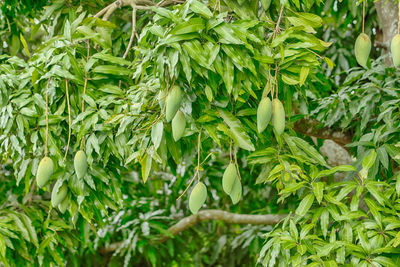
x=199, y=133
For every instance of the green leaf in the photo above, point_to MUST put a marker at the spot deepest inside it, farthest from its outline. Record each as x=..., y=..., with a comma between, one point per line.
x=369, y=160
x=293, y=230
x=305, y=205
x=23, y=41
x=157, y=133
x=239, y=134
x=146, y=166
x=363, y=240
x=3, y=246
x=396, y=240
x=110, y=58
x=383, y=157
x=329, y=62
x=200, y=8
x=311, y=151
x=305, y=230
x=192, y=25
x=342, y=168
x=303, y=74
x=289, y=80
x=111, y=69
x=318, y=189
x=384, y=261
x=345, y=191
x=324, y=222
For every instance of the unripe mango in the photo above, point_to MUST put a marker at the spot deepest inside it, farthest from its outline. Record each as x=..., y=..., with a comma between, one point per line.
x=197, y=197
x=278, y=116
x=44, y=172
x=178, y=125
x=236, y=192
x=173, y=102
x=362, y=49
x=58, y=195
x=264, y=113
x=395, y=48
x=229, y=178
x=80, y=164
x=63, y=205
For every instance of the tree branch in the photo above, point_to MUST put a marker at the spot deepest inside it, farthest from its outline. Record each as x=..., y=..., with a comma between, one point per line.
x=204, y=215
x=312, y=127
x=133, y=32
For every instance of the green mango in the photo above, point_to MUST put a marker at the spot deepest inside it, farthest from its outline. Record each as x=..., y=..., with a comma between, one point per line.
x=178, y=125
x=278, y=116
x=229, y=178
x=44, y=171
x=80, y=164
x=173, y=102
x=362, y=49
x=197, y=197
x=58, y=194
x=236, y=192
x=395, y=48
x=264, y=114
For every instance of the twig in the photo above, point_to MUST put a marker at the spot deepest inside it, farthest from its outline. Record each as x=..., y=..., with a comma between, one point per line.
x=112, y=9
x=104, y=10
x=198, y=155
x=277, y=29
x=363, y=18
x=191, y=181
x=69, y=120
x=236, y=165
x=84, y=90
x=197, y=172
x=47, y=118
x=133, y=32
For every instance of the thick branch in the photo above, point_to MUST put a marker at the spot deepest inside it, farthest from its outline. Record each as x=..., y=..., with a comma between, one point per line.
x=311, y=127
x=387, y=14
x=204, y=215
x=225, y=216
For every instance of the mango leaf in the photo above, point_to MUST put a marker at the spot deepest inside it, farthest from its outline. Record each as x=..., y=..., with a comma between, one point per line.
x=340, y=168
x=318, y=189
x=303, y=74
x=311, y=151
x=156, y=134
x=239, y=133
x=192, y=25
x=111, y=69
x=146, y=166
x=200, y=8
x=369, y=160
x=305, y=205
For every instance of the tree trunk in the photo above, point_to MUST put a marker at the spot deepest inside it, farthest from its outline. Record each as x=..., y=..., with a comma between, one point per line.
x=388, y=15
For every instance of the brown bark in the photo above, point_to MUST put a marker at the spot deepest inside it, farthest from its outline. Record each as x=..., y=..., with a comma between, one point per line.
x=312, y=127
x=387, y=11
x=204, y=215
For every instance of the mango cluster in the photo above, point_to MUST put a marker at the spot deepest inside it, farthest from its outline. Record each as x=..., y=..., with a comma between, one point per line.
x=173, y=103
x=59, y=193
x=231, y=183
x=268, y=109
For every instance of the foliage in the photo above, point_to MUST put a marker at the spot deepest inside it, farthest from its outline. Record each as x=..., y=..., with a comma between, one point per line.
x=225, y=56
